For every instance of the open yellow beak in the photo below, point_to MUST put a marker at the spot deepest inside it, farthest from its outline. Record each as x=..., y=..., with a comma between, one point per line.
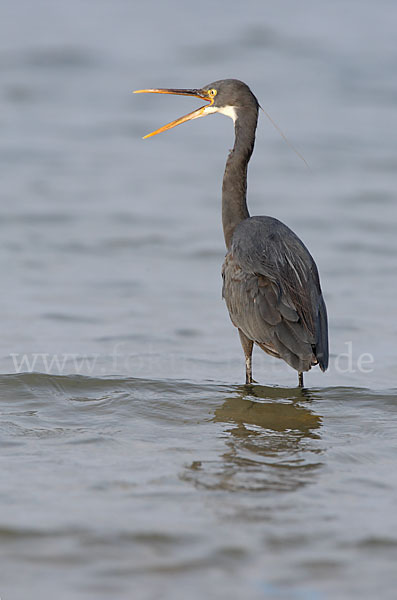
x=199, y=112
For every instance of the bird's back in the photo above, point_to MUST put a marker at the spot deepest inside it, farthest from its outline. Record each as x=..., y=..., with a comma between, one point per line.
x=273, y=294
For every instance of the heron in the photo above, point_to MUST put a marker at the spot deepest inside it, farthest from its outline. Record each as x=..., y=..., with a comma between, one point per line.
x=271, y=283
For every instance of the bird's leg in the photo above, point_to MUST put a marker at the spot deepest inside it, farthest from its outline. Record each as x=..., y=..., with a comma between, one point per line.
x=247, y=347
x=300, y=379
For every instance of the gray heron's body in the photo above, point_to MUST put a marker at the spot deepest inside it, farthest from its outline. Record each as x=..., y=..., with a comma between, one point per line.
x=272, y=291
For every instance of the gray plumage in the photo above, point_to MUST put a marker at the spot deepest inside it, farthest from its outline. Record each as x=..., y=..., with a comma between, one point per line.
x=272, y=291
x=270, y=281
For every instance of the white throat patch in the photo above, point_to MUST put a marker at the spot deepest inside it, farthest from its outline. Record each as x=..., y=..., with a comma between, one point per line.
x=228, y=111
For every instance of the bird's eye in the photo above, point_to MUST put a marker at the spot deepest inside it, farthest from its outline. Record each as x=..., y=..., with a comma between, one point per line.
x=212, y=93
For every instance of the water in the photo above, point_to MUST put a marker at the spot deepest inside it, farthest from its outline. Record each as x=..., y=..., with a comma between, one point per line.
x=134, y=463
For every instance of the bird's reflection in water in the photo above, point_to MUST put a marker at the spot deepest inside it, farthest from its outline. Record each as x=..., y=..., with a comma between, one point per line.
x=272, y=439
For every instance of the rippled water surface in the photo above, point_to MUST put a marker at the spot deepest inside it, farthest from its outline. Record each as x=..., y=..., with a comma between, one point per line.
x=134, y=463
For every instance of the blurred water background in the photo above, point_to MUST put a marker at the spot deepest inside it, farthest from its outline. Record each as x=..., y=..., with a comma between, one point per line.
x=134, y=464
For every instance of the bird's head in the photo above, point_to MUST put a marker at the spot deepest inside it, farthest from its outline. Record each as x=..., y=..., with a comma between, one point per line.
x=227, y=96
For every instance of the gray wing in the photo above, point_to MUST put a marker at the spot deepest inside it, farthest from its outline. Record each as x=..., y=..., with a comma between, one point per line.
x=273, y=294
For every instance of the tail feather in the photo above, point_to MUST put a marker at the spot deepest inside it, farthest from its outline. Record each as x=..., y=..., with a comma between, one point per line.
x=322, y=352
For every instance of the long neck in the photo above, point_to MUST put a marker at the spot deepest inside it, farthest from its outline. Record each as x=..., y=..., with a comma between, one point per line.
x=234, y=187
